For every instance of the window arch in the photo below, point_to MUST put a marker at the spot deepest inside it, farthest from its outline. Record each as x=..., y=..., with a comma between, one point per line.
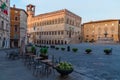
x=61, y=20
x=55, y=21
x=112, y=29
x=52, y=21
x=58, y=20
x=67, y=20
x=99, y=30
x=105, y=29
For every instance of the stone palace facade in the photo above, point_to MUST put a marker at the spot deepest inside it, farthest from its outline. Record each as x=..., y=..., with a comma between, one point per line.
x=103, y=30
x=4, y=23
x=58, y=27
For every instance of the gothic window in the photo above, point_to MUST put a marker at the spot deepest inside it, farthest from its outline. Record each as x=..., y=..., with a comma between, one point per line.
x=43, y=23
x=16, y=18
x=44, y=33
x=87, y=35
x=112, y=29
x=72, y=22
x=52, y=32
x=99, y=30
x=52, y=21
x=62, y=32
x=58, y=32
x=67, y=20
x=55, y=21
x=58, y=20
x=61, y=20
x=16, y=28
x=105, y=29
x=55, y=32
x=37, y=24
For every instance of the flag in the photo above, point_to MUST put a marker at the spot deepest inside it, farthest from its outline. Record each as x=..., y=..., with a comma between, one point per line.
x=4, y=8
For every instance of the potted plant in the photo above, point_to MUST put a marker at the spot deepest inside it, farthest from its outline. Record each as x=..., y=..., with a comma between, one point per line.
x=107, y=51
x=88, y=51
x=57, y=48
x=74, y=49
x=33, y=50
x=64, y=68
x=44, y=53
x=62, y=48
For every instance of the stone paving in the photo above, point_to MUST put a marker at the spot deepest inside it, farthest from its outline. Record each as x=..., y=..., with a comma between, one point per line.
x=94, y=66
x=16, y=70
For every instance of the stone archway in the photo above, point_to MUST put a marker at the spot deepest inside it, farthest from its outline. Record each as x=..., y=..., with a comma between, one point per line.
x=62, y=42
x=55, y=41
x=49, y=41
x=58, y=41
x=52, y=41
x=65, y=42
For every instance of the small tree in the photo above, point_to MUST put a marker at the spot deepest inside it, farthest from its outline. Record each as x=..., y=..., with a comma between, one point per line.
x=74, y=49
x=88, y=51
x=62, y=49
x=107, y=51
x=33, y=49
x=57, y=48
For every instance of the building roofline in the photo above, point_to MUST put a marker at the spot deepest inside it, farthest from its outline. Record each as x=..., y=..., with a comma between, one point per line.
x=101, y=21
x=19, y=9
x=48, y=13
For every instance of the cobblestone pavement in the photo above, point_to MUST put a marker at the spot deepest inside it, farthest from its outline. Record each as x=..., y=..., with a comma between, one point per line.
x=15, y=70
x=94, y=66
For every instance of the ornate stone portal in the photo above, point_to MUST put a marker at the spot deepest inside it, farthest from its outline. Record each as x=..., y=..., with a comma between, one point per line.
x=105, y=39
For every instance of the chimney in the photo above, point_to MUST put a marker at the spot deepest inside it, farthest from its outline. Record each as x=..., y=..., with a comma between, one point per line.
x=14, y=6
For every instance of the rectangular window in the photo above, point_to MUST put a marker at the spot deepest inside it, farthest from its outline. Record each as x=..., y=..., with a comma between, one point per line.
x=58, y=32
x=62, y=32
x=16, y=28
x=2, y=24
x=16, y=18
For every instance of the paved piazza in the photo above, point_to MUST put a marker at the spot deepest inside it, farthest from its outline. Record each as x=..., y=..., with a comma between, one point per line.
x=94, y=66
x=97, y=65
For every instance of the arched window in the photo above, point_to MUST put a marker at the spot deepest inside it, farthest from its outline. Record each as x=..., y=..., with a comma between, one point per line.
x=105, y=29
x=55, y=21
x=52, y=21
x=16, y=18
x=61, y=20
x=67, y=20
x=70, y=22
x=112, y=29
x=99, y=30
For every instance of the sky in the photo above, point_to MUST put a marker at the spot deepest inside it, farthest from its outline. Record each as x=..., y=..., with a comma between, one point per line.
x=89, y=10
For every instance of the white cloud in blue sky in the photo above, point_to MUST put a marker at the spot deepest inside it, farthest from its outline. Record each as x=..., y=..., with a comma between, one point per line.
x=87, y=9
